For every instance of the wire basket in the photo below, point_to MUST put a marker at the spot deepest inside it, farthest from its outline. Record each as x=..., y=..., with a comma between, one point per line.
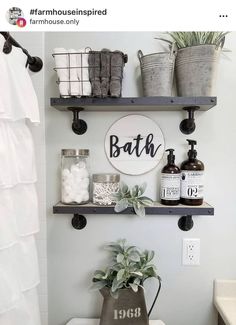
x=89, y=73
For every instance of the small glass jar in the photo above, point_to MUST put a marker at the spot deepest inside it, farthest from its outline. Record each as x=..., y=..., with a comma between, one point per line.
x=104, y=185
x=74, y=176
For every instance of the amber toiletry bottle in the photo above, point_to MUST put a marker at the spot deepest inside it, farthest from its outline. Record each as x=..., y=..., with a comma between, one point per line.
x=192, y=172
x=170, y=181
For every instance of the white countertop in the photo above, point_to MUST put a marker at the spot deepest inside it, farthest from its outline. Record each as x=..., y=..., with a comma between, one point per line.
x=86, y=321
x=225, y=300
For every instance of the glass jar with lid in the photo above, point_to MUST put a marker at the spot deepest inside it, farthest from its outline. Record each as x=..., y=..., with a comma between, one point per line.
x=74, y=176
x=104, y=185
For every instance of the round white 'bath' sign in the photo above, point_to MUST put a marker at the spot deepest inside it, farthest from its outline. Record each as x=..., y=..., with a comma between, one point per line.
x=134, y=144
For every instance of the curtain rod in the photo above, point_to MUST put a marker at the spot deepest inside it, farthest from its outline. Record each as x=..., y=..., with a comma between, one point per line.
x=34, y=62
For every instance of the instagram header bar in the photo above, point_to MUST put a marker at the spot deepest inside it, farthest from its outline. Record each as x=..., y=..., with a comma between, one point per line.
x=117, y=16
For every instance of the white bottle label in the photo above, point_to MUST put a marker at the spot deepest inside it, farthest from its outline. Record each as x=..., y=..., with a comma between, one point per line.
x=192, y=184
x=170, y=186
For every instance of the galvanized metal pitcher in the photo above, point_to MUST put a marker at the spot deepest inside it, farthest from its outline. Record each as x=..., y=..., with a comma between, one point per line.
x=128, y=309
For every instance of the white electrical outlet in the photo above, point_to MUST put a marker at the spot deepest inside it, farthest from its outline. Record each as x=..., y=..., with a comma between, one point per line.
x=191, y=251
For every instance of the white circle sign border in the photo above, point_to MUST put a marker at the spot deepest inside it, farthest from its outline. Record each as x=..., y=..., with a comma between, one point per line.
x=131, y=166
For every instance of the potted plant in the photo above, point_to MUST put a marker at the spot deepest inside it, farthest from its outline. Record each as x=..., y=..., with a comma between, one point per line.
x=121, y=284
x=133, y=197
x=157, y=72
x=197, y=60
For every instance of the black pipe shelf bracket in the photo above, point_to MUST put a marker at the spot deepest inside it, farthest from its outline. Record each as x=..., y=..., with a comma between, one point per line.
x=78, y=126
x=188, y=126
x=78, y=221
x=185, y=222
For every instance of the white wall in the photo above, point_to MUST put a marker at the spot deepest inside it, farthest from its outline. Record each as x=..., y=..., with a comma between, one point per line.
x=186, y=296
x=34, y=43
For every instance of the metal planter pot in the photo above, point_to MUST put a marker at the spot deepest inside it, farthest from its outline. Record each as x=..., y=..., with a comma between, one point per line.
x=196, y=69
x=128, y=309
x=157, y=71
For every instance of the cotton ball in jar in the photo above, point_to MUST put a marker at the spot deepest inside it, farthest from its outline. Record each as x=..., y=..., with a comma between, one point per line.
x=68, y=180
x=83, y=172
x=81, y=164
x=67, y=189
x=85, y=183
x=78, y=180
x=67, y=198
x=85, y=196
x=74, y=169
x=65, y=172
x=78, y=198
x=80, y=172
x=78, y=190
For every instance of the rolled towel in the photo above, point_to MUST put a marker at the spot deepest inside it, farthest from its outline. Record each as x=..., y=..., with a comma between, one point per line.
x=94, y=60
x=117, y=65
x=62, y=63
x=75, y=84
x=85, y=83
x=105, y=72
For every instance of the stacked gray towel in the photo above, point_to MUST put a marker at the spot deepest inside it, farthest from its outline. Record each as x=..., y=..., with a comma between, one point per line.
x=106, y=72
x=94, y=61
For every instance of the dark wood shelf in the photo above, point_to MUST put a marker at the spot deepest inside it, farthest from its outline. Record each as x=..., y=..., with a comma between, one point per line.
x=124, y=104
x=157, y=209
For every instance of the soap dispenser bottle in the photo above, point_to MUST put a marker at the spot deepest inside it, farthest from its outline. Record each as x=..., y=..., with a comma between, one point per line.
x=192, y=172
x=170, y=181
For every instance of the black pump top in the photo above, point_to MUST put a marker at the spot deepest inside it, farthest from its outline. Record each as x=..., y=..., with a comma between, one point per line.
x=192, y=153
x=171, y=156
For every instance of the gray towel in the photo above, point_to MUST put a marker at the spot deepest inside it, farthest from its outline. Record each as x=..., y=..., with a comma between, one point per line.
x=117, y=65
x=105, y=71
x=94, y=61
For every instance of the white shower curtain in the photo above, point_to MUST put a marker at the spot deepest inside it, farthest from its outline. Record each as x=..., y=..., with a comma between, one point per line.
x=19, y=272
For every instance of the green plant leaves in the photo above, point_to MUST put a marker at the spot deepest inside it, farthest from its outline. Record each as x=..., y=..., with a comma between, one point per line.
x=124, y=189
x=121, y=205
x=126, y=197
x=146, y=201
x=99, y=275
x=150, y=272
x=142, y=189
x=187, y=39
x=138, y=273
x=114, y=294
x=98, y=285
x=134, y=256
x=134, y=287
x=137, y=281
x=120, y=257
x=150, y=255
x=129, y=268
x=134, y=191
x=116, y=284
x=116, y=248
x=120, y=274
x=139, y=209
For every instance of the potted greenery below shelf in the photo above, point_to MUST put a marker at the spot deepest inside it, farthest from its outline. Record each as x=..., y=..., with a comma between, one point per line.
x=121, y=285
x=197, y=61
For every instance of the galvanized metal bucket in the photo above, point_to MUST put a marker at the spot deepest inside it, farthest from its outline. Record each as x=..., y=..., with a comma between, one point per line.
x=157, y=71
x=196, y=69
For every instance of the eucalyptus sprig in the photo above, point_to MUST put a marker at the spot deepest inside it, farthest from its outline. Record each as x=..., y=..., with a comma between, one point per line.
x=133, y=197
x=129, y=268
x=187, y=39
